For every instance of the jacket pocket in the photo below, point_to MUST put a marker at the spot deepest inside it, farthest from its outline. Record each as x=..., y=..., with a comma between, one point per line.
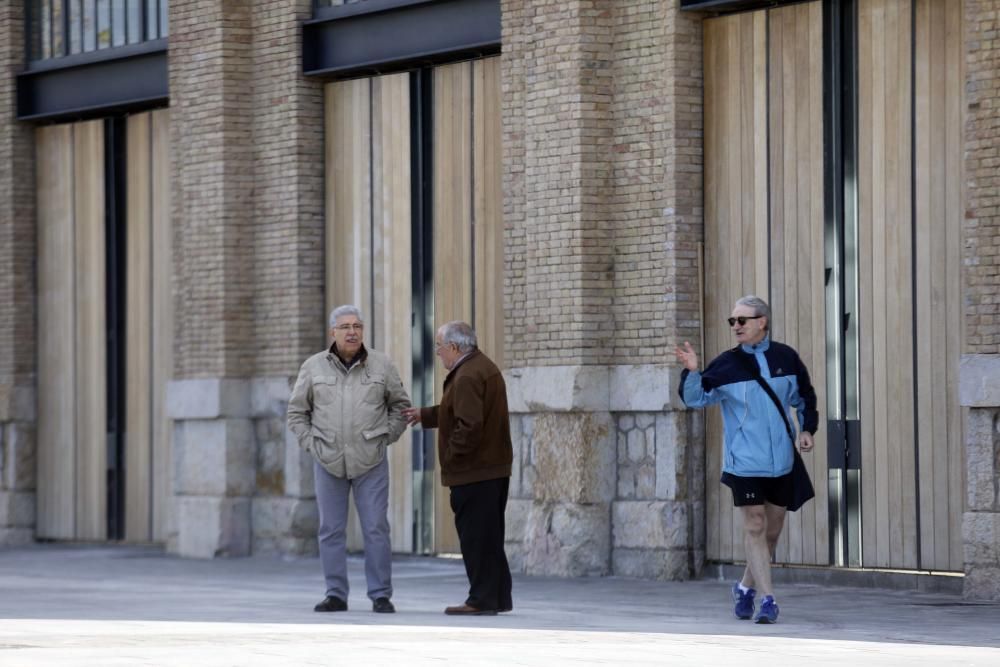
x=373, y=389
x=324, y=389
x=373, y=450
x=328, y=453
x=751, y=454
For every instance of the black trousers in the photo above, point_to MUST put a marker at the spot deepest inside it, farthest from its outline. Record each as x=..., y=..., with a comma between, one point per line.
x=479, y=518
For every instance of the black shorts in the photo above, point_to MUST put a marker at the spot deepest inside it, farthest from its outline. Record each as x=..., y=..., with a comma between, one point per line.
x=757, y=490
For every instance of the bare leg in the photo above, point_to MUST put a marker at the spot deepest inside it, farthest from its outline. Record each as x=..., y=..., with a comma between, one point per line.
x=755, y=543
x=774, y=517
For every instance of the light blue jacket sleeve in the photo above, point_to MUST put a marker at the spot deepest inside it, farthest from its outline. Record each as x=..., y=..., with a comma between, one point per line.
x=692, y=392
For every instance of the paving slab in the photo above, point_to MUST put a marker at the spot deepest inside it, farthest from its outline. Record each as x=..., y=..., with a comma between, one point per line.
x=118, y=605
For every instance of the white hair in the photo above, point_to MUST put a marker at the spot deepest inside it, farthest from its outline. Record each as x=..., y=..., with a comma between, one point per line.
x=758, y=304
x=460, y=334
x=342, y=311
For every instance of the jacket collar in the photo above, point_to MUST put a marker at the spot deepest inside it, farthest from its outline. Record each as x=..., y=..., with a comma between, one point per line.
x=474, y=353
x=762, y=346
x=335, y=357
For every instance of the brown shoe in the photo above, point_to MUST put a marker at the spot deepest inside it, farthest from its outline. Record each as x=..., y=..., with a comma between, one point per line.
x=466, y=610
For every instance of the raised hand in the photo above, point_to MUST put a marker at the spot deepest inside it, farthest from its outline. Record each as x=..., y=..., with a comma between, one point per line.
x=687, y=356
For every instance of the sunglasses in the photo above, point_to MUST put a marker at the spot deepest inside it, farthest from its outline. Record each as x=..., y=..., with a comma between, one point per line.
x=742, y=319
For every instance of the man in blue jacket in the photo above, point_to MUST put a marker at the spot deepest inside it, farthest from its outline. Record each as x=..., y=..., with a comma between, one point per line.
x=757, y=455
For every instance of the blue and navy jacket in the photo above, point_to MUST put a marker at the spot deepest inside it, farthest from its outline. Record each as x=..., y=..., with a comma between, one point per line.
x=756, y=442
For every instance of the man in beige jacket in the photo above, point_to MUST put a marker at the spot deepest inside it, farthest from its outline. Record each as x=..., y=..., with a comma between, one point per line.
x=346, y=408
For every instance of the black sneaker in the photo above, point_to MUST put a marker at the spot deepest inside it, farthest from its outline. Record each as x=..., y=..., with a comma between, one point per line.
x=331, y=603
x=383, y=606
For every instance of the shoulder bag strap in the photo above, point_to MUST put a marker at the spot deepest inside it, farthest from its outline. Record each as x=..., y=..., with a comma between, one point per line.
x=751, y=365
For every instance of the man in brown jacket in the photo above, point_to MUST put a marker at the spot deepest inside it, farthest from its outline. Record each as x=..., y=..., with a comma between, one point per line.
x=475, y=456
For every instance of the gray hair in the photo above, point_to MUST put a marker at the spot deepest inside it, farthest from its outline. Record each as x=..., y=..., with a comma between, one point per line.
x=759, y=306
x=460, y=334
x=341, y=311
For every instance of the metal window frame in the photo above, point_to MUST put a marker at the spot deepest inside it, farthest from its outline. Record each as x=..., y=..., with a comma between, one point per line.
x=95, y=83
x=380, y=36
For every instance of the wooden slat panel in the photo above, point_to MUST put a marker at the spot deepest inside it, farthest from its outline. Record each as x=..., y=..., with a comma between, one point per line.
x=163, y=327
x=452, y=237
x=138, y=341
x=900, y=313
x=56, y=317
x=714, y=143
x=867, y=86
x=392, y=293
x=488, y=208
x=91, y=355
x=349, y=215
x=796, y=143
x=928, y=179
x=348, y=195
x=954, y=173
x=817, y=526
x=730, y=540
x=889, y=502
x=938, y=99
x=783, y=91
x=736, y=243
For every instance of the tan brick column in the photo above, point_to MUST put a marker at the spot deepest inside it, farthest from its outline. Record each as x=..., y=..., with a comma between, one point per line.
x=602, y=176
x=980, y=368
x=289, y=278
x=211, y=124
x=246, y=131
x=17, y=292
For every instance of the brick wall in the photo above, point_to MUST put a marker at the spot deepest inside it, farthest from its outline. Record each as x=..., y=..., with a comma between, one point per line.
x=211, y=90
x=513, y=66
x=602, y=167
x=657, y=177
x=559, y=257
x=982, y=165
x=288, y=273
x=17, y=293
x=684, y=164
x=17, y=214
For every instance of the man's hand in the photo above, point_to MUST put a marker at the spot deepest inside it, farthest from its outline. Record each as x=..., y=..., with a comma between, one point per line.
x=412, y=416
x=805, y=441
x=687, y=356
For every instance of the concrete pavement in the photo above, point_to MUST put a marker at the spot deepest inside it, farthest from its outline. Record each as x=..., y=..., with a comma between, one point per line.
x=73, y=605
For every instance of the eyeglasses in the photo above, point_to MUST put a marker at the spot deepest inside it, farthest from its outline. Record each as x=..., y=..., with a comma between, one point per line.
x=438, y=346
x=350, y=327
x=742, y=319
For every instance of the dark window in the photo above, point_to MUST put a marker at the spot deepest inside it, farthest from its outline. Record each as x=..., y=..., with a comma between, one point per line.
x=57, y=28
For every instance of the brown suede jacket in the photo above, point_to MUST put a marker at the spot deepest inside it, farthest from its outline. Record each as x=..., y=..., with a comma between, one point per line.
x=473, y=423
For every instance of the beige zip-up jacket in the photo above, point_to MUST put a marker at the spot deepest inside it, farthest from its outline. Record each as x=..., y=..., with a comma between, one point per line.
x=347, y=418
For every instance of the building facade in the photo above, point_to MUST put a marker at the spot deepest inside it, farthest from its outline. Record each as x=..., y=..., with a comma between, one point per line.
x=187, y=188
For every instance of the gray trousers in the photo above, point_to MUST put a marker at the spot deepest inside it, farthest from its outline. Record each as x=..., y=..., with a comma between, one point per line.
x=371, y=498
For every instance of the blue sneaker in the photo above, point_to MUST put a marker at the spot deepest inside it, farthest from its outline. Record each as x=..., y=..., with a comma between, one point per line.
x=768, y=612
x=744, y=602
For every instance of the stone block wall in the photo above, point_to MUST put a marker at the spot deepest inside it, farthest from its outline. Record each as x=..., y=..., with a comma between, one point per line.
x=241, y=483
x=980, y=392
x=17, y=292
x=604, y=479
